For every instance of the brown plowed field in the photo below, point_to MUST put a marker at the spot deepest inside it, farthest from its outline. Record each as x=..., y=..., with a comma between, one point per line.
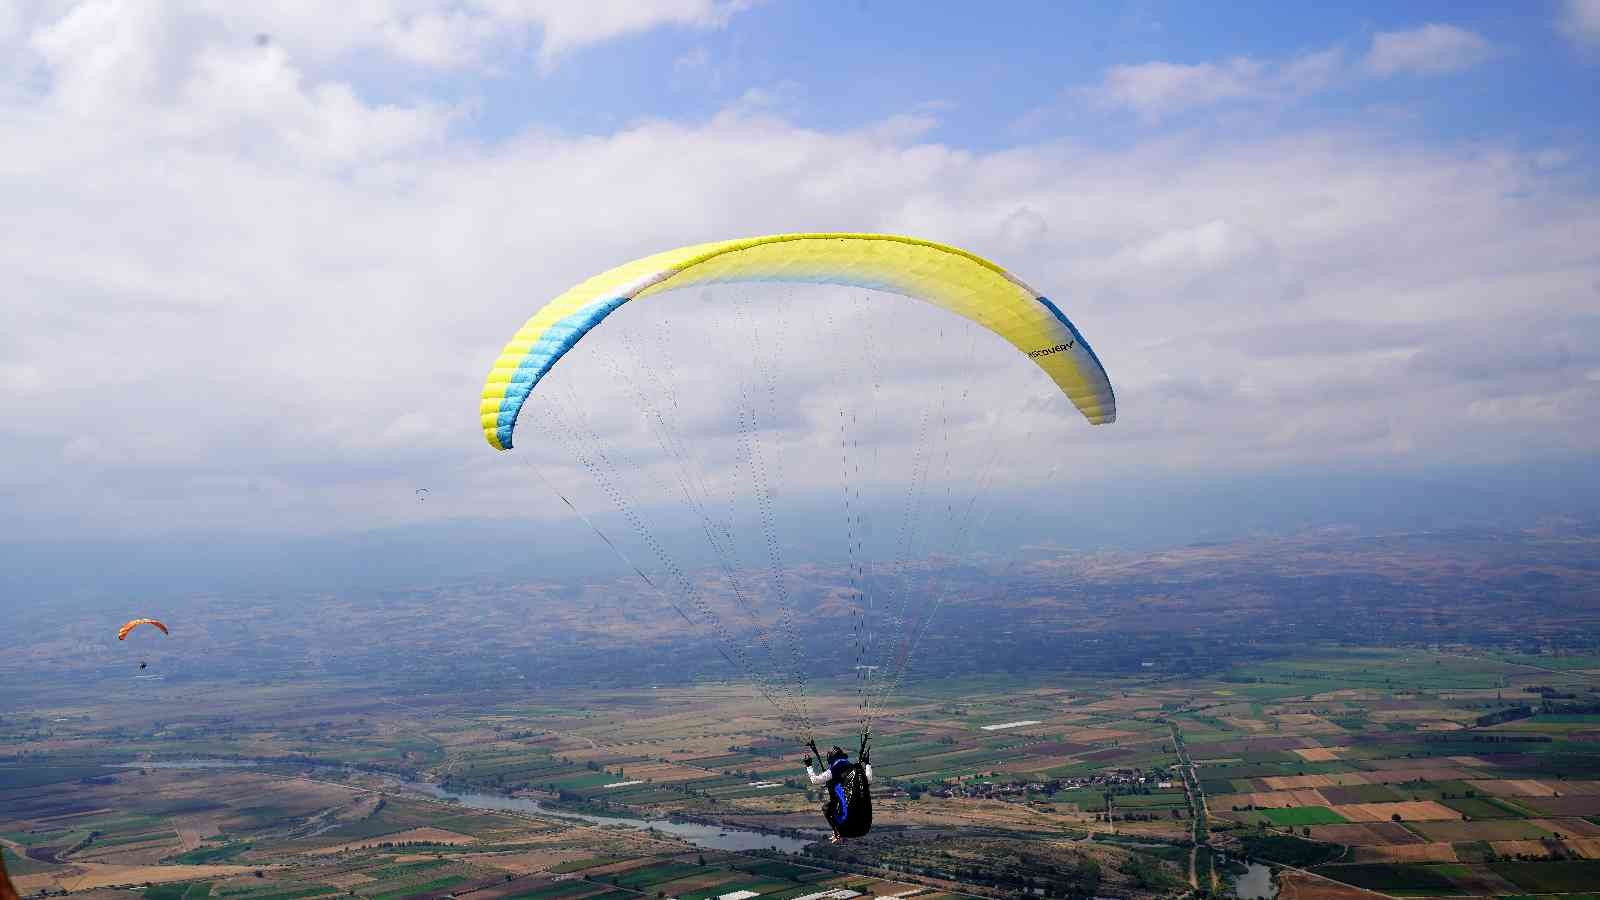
x=1563, y=806
x=1433, y=852
x=1409, y=811
x=1508, y=787
x=1335, y=779
x=1373, y=834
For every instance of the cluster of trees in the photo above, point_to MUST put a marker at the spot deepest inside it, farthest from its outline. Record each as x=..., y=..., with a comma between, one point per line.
x=1509, y=714
x=1146, y=873
x=1568, y=709
x=593, y=766
x=1141, y=817
x=1550, y=693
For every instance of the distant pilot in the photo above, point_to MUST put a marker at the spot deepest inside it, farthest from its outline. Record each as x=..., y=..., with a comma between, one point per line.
x=849, y=806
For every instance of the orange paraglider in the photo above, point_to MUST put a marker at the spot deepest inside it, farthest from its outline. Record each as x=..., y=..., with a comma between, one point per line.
x=122, y=633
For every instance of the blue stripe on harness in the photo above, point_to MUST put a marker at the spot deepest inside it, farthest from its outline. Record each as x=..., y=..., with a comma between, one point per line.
x=844, y=805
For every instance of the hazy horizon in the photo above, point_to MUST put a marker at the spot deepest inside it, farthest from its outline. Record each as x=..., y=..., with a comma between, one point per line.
x=1153, y=515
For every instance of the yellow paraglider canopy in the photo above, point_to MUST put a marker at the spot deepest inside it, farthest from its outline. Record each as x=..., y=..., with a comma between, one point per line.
x=945, y=276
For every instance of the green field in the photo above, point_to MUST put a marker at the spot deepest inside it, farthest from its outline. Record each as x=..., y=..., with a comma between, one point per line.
x=1288, y=850
x=764, y=888
x=22, y=865
x=578, y=865
x=1363, y=793
x=1564, y=661
x=17, y=777
x=402, y=871
x=1476, y=808
x=37, y=838
x=425, y=887
x=1486, y=830
x=289, y=893
x=1397, y=878
x=1300, y=815
x=1549, y=877
x=183, y=890
x=660, y=873
x=559, y=889
x=212, y=855
x=1158, y=799
x=784, y=871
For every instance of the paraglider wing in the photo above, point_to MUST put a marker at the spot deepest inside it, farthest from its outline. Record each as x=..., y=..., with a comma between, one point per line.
x=122, y=633
x=947, y=277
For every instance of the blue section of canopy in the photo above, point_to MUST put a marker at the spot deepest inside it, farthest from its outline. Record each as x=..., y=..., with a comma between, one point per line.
x=1078, y=336
x=542, y=356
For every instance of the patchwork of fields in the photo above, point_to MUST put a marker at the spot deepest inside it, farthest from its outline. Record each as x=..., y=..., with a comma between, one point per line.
x=1442, y=780
x=1399, y=771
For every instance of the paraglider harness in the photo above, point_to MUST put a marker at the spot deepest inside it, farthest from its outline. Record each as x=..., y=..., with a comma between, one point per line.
x=849, y=807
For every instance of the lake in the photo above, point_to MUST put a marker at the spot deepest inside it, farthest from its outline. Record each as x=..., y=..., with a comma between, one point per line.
x=1255, y=884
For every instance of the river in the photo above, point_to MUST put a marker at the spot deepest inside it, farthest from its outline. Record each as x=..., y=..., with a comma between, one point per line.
x=712, y=837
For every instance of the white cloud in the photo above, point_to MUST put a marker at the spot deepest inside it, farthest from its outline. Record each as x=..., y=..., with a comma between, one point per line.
x=1023, y=228
x=257, y=92
x=104, y=54
x=1580, y=22
x=1206, y=247
x=1312, y=72
x=268, y=300
x=108, y=34
x=146, y=74
x=1156, y=88
x=1430, y=50
x=440, y=39
x=568, y=26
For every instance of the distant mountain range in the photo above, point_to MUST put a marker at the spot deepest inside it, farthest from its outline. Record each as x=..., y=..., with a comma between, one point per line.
x=1193, y=608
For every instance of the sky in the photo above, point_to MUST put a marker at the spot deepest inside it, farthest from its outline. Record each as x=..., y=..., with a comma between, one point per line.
x=259, y=256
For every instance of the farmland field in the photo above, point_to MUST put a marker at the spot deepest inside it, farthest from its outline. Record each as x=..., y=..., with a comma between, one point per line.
x=1551, y=877
x=1426, y=880
x=1302, y=815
